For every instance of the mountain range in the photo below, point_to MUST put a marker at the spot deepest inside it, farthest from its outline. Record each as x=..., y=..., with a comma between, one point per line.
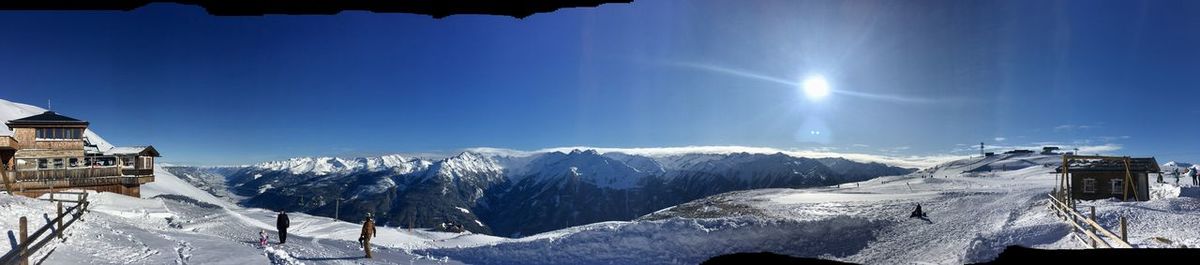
x=514, y=194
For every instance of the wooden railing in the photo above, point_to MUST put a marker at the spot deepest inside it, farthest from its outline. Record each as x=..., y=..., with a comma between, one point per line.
x=1088, y=226
x=66, y=173
x=137, y=171
x=30, y=244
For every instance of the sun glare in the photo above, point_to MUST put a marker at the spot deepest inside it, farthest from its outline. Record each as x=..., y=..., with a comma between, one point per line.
x=815, y=87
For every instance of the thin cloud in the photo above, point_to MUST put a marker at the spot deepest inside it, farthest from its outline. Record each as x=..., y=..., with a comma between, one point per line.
x=1072, y=127
x=902, y=161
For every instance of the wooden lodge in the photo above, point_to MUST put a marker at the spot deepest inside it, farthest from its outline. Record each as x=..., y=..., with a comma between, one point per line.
x=49, y=152
x=1097, y=177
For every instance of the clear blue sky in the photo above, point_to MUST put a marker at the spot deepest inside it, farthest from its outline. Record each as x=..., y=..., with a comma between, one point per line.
x=924, y=78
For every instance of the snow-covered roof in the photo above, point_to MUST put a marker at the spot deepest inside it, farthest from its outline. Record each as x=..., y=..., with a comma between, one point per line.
x=132, y=150
x=1146, y=164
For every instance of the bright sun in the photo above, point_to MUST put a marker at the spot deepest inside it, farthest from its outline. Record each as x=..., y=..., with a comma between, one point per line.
x=815, y=87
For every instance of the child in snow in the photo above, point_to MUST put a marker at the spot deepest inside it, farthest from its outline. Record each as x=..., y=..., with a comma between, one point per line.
x=262, y=238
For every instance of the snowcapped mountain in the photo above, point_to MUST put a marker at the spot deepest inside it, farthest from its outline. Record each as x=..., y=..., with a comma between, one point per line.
x=330, y=165
x=509, y=193
x=1182, y=168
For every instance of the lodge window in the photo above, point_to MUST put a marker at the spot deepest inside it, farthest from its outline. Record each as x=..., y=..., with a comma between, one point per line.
x=1089, y=185
x=1118, y=186
x=59, y=133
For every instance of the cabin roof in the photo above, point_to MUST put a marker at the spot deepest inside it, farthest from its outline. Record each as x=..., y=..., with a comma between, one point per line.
x=1140, y=165
x=46, y=118
x=132, y=150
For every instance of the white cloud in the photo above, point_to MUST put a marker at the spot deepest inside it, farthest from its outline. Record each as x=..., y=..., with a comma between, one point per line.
x=1099, y=149
x=1001, y=139
x=1072, y=127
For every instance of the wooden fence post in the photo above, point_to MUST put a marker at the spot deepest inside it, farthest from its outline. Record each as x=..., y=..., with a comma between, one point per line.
x=21, y=255
x=1093, y=217
x=1124, y=237
x=60, y=217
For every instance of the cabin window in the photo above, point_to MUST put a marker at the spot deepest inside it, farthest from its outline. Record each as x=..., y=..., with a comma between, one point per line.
x=43, y=163
x=58, y=163
x=147, y=162
x=1089, y=185
x=74, y=162
x=59, y=133
x=1118, y=186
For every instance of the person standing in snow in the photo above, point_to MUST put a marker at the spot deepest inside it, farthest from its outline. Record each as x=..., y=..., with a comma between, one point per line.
x=1195, y=178
x=262, y=238
x=281, y=224
x=1177, y=178
x=368, y=231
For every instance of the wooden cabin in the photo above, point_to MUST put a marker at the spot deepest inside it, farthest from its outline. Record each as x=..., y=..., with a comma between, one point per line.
x=1095, y=179
x=50, y=151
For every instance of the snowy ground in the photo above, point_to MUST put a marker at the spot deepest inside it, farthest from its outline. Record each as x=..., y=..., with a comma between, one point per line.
x=972, y=217
x=202, y=229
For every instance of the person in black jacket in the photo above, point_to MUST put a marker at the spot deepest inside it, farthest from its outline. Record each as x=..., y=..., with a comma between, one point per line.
x=282, y=223
x=917, y=213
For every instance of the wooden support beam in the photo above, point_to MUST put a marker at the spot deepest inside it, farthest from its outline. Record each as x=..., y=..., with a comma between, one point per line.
x=60, y=226
x=22, y=255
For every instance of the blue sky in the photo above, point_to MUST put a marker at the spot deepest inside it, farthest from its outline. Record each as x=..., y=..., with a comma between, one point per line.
x=908, y=79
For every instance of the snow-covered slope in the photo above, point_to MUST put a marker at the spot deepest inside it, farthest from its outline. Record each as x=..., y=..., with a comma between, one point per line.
x=180, y=224
x=972, y=218
x=11, y=110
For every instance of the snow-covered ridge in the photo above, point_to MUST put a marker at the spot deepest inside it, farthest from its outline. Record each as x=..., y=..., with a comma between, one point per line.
x=328, y=165
x=659, y=152
x=1171, y=167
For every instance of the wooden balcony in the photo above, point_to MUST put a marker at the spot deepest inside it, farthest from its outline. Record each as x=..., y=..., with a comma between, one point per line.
x=66, y=173
x=70, y=178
